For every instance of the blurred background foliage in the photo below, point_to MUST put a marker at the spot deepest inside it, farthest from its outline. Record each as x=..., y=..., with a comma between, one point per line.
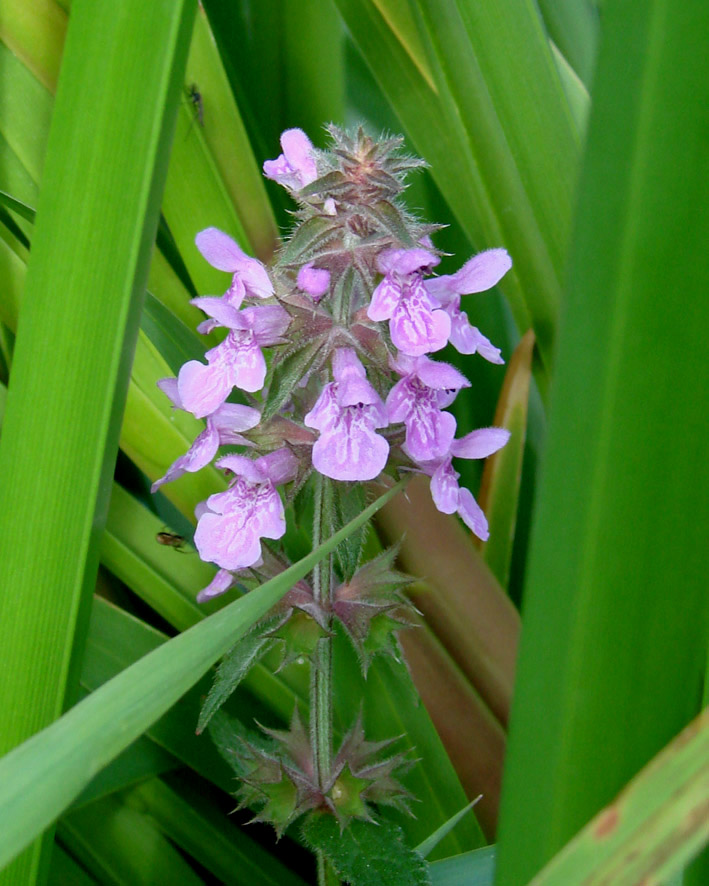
x=574, y=137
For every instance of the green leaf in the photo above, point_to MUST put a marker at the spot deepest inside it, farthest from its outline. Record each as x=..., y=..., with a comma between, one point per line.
x=656, y=825
x=65, y=871
x=431, y=842
x=42, y=776
x=204, y=831
x=141, y=760
x=476, y=868
x=366, y=853
x=287, y=375
x=122, y=845
x=574, y=26
x=502, y=475
x=100, y=271
x=616, y=604
x=341, y=502
x=232, y=670
x=17, y=206
x=306, y=240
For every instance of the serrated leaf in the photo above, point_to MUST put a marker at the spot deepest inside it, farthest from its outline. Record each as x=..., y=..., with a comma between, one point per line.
x=311, y=234
x=287, y=375
x=232, y=670
x=389, y=216
x=367, y=854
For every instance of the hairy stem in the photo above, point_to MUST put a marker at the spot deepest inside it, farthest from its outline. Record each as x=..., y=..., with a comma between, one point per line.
x=321, y=669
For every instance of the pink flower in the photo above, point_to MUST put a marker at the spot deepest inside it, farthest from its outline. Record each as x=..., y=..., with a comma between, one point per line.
x=237, y=361
x=314, y=281
x=447, y=495
x=416, y=323
x=250, y=276
x=295, y=167
x=346, y=413
x=223, y=427
x=417, y=400
x=481, y=272
x=232, y=524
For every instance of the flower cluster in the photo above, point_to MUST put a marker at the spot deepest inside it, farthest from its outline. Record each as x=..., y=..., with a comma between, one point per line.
x=350, y=311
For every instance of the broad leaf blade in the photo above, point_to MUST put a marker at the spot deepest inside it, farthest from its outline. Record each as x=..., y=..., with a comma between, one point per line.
x=99, y=270
x=652, y=829
x=615, y=602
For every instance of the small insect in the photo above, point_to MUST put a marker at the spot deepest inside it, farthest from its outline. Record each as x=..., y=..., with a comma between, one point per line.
x=195, y=98
x=171, y=540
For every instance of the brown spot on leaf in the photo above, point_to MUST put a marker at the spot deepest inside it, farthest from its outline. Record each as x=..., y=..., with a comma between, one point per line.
x=607, y=822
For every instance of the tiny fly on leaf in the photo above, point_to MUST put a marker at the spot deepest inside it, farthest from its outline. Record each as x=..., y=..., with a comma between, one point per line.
x=195, y=98
x=171, y=540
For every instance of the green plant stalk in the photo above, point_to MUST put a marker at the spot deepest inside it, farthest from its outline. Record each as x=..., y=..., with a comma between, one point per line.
x=80, y=311
x=321, y=685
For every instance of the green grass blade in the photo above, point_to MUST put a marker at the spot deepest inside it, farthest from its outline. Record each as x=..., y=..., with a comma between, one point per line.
x=199, y=829
x=99, y=272
x=35, y=33
x=475, y=868
x=123, y=846
x=502, y=475
x=66, y=871
x=574, y=26
x=42, y=776
x=652, y=829
x=616, y=604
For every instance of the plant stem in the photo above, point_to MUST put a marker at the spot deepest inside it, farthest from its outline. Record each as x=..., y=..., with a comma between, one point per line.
x=321, y=668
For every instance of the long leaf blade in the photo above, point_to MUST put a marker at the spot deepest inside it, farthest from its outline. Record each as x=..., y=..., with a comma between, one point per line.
x=616, y=602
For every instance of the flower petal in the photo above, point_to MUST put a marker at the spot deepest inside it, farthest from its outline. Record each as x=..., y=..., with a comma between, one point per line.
x=440, y=376
x=385, y=299
x=405, y=261
x=220, y=310
x=444, y=488
x=326, y=411
x=268, y=322
x=232, y=418
x=467, y=339
x=298, y=150
x=202, y=389
x=280, y=466
x=169, y=387
x=429, y=433
x=220, y=584
x=220, y=250
x=231, y=541
x=482, y=271
x=416, y=329
x=472, y=515
x=352, y=450
x=314, y=281
x=480, y=443
x=200, y=453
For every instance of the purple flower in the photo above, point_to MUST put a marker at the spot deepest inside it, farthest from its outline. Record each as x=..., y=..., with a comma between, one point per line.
x=346, y=413
x=295, y=167
x=250, y=276
x=447, y=495
x=481, y=272
x=417, y=400
x=223, y=427
x=416, y=323
x=231, y=527
x=314, y=281
x=237, y=361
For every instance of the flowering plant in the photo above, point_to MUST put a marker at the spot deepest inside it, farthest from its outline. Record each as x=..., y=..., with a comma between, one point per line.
x=347, y=315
